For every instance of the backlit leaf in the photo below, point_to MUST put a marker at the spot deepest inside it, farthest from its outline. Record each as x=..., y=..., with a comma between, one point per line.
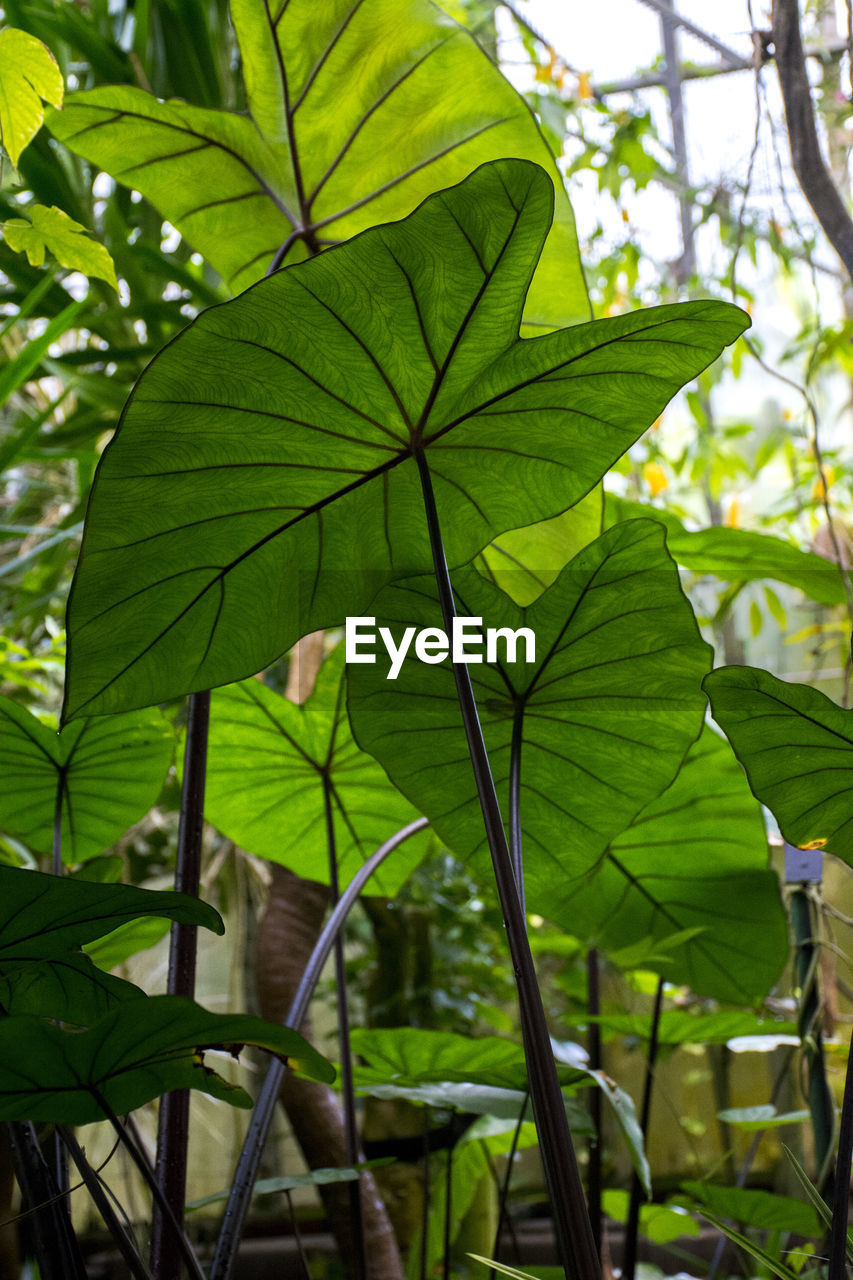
x=356, y=115
x=28, y=76
x=797, y=749
x=268, y=765
x=264, y=481
x=53, y=231
x=105, y=774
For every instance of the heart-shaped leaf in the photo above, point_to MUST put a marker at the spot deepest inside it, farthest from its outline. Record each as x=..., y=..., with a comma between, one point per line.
x=73, y=990
x=142, y=1049
x=694, y=860
x=604, y=715
x=356, y=115
x=270, y=765
x=105, y=774
x=797, y=749
x=265, y=482
x=46, y=917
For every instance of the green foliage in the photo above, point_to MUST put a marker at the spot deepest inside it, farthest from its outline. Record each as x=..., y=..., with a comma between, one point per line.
x=797, y=748
x=51, y=229
x=691, y=867
x=97, y=777
x=325, y=153
x=438, y=373
x=604, y=715
x=28, y=76
x=273, y=767
x=143, y=1048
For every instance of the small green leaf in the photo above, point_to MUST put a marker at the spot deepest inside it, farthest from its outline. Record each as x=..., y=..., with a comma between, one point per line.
x=754, y=1208
x=143, y=1048
x=606, y=710
x=68, y=241
x=104, y=773
x=28, y=75
x=765, y=1116
x=658, y=1222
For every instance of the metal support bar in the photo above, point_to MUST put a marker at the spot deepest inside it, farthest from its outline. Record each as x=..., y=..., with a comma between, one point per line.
x=668, y=23
x=665, y=10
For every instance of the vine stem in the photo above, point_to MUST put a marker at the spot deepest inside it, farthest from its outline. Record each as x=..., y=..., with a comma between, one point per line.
x=347, y=1090
x=173, y=1120
x=575, y=1243
x=594, y=1180
x=629, y=1264
x=841, y=1188
x=247, y=1168
x=182, y=1243
x=124, y=1242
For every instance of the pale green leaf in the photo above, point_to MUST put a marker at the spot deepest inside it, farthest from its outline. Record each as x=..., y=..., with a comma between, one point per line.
x=29, y=75
x=49, y=229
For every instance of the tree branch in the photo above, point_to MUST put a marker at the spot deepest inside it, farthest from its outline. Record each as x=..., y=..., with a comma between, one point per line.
x=812, y=174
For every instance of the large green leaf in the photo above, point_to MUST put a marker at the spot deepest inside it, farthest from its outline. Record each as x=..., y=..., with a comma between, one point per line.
x=606, y=712
x=264, y=481
x=45, y=920
x=797, y=748
x=738, y=555
x=143, y=1048
x=72, y=989
x=270, y=763
x=358, y=110
x=105, y=774
x=695, y=860
x=46, y=917
x=406, y=1061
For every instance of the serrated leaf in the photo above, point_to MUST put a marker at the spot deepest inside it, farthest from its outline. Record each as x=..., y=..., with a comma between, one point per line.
x=29, y=75
x=264, y=481
x=270, y=763
x=355, y=116
x=51, y=230
x=104, y=774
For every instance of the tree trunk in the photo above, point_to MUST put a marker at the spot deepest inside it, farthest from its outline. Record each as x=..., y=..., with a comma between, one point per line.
x=288, y=932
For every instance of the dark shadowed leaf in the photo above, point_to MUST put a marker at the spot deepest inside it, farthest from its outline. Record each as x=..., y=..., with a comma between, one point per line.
x=797, y=748
x=143, y=1048
x=606, y=711
x=44, y=920
x=357, y=113
x=268, y=761
x=71, y=989
x=46, y=917
x=105, y=773
x=264, y=480
x=694, y=860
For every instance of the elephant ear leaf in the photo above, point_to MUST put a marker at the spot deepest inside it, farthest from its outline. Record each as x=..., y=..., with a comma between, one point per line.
x=265, y=480
x=272, y=766
x=797, y=749
x=45, y=920
x=140, y=1050
x=355, y=116
x=81, y=788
